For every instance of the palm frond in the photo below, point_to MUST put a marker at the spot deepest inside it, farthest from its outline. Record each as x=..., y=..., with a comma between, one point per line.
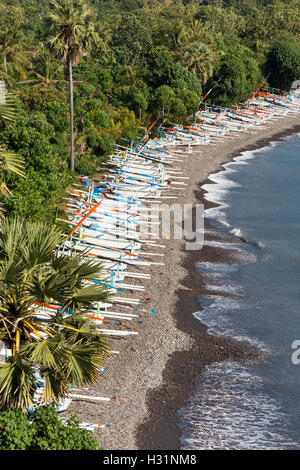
x=55, y=386
x=42, y=353
x=86, y=297
x=71, y=19
x=84, y=331
x=9, y=162
x=40, y=240
x=7, y=104
x=26, y=248
x=83, y=364
x=66, y=346
x=17, y=385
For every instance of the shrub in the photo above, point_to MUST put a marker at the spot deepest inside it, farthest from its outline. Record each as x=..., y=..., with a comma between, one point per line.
x=43, y=430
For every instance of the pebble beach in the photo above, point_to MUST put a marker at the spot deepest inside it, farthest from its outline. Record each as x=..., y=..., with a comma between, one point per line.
x=154, y=373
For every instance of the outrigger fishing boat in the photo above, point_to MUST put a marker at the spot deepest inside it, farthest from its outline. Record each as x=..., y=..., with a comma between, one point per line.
x=116, y=217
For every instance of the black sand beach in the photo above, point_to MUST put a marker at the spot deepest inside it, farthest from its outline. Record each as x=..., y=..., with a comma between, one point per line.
x=155, y=373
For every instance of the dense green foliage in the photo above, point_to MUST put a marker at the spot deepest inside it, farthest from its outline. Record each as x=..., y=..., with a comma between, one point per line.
x=149, y=57
x=42, y=430
x=284, y=63
x=62, y=349
x=130, y=60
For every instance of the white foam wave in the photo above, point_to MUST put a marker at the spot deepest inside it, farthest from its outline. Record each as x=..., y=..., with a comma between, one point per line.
x=231, y=410
x=216, y=192
x=225, y=288
x=218, y=244
x=221, y=178
x=216, y=316
x=208, y=231
x=208, y=266
x=291, y=136
x=240, y=234
x=216, y=213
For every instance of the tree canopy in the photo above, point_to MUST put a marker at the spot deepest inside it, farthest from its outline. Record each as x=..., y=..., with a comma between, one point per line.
x=131, y=61
x=42, y=430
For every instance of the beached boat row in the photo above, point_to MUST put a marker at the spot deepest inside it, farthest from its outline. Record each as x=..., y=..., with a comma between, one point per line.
x=116, y=216
x=111, y=215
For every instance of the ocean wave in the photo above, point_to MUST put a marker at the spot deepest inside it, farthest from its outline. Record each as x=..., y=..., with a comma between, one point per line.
x=215, y=315
x=249, y=155
x=291, y=136
x=208, y=266
x=234, y=408
x=221, y=178
x=231, y=410
x=224, y=244
x=225, y=288
x=222, y=184
x=216, y=213
x=246, y=239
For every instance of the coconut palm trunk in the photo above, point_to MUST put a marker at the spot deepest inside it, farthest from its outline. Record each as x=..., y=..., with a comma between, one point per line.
x=5, y=64
x=73, y=25
x=71, y=106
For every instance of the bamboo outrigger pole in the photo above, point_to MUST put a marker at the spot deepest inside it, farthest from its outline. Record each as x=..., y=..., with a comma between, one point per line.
x=206, y=94
x=86, y=216
x=149, y=135
x=256, y=91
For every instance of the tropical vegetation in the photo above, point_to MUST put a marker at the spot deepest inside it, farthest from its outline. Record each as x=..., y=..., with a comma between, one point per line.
x=89, y=73
x=77, y=77
x=58, y=350
x=9, y=162
x=42, y=430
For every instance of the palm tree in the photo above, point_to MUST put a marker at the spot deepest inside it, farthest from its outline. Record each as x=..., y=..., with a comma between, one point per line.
x=61, y=348
x=9, y=162
x=7, y=104
x=72, y=24
x=15, y=63
x=13, y=58
x=48, y=74
x=199, y=59
x=196, y=31
x=177, y=34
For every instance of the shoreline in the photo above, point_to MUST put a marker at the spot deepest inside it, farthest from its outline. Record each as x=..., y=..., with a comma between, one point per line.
x=155, y=373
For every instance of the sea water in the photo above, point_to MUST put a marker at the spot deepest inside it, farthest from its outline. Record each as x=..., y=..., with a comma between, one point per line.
x=252, y=405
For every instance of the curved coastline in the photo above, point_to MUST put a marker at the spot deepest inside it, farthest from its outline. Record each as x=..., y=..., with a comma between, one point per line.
x=154, y=374
x=161, y=429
